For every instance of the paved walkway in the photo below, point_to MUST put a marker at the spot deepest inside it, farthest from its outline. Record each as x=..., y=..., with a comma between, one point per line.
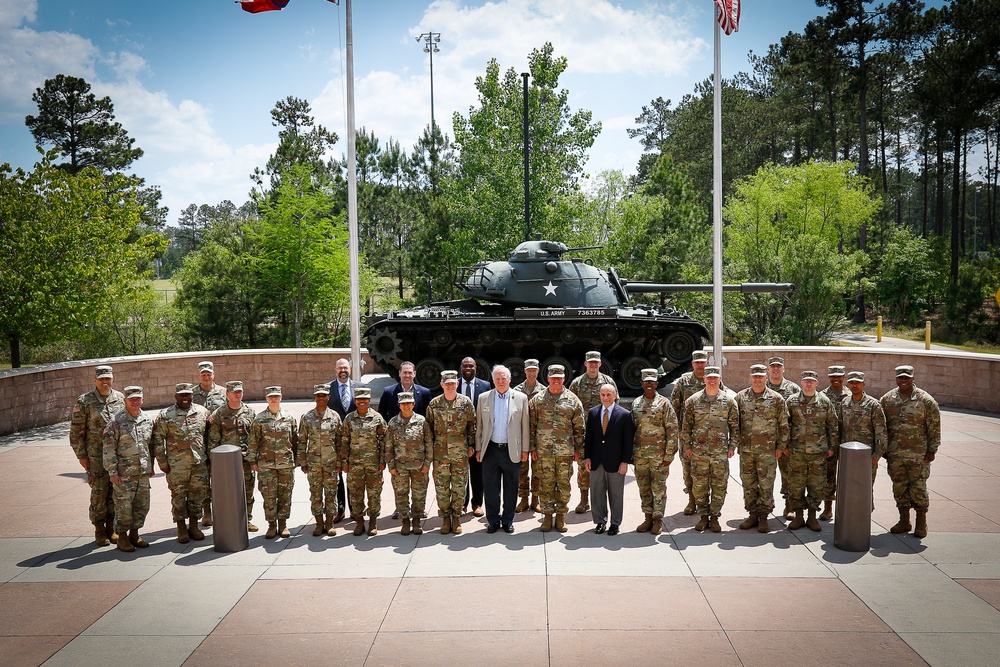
x=734, y=598
x=871, y=340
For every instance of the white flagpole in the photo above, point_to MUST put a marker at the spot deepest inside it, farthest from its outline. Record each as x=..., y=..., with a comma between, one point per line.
x=717, y=203
x=352, y=203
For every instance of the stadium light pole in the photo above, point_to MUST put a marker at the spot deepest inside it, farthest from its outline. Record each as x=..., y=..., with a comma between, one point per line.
x=431, y=41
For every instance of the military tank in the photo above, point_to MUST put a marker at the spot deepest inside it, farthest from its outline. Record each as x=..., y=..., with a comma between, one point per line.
x=538, y=304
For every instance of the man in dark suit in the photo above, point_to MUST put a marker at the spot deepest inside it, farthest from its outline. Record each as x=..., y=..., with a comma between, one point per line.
x=472, y=387
x=342, y=401
x=607, y=452
x=388, y=406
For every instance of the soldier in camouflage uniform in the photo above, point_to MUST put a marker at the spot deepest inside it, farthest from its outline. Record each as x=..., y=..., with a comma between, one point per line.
x=231, y=425
x=710, y=429
x=557, y=428
x=274, y=452
x=179, y=444
x=655, y=447
x=863, y=421
x=92, y=412
x=914, y=424
x=129, y=463
x=452, y=421
x=763, y=440
x=587, y=388
x=776, y=381
x=210, y=396
x=362, y=458
x=815, y=436
x=527, y=483
x=408, y=449
x=684, y=388
x=319, y=440
x=836, y=393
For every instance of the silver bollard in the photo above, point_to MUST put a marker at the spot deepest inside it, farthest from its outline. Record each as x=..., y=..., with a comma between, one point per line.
x=852, y=528
x=229, y=500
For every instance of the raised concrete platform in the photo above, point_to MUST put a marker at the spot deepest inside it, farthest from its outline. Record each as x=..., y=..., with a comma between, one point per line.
x=734, y=598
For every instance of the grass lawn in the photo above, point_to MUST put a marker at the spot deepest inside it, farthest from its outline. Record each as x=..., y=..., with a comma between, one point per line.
x=166, y=288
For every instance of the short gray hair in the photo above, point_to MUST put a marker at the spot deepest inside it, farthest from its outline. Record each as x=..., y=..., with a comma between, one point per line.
x=503, y=370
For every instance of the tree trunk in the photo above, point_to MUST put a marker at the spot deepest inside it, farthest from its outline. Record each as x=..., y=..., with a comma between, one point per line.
x=956, y=230
x=939, y=188
x=15, y=350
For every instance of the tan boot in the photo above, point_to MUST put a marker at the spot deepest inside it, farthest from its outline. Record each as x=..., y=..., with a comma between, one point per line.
x=124, y=544
x=762, y=526
x=904, y=522
x=812, y=522
x=206, y=518
x=272, y=530
x=523, y=505
x=415, y=526
x=536, y=504
x=251, y=526
x=827, y=511
x=328, y=525
x=546, y=523
x=193, y=530
x=372, y=526
x=703, y=524
x=283, y=529
x=921, y=528
x=645, y=526
x=109, y=529
x=445, y=524
x=691, y=507
x=182, y=533
x=101, y=535
x=456, y=525
x=751, y=521
x=359, y=526
x=133, y=537
x=713, y=525
x=584, y=501
x=560, y=523
x=318, y=530
x=797, y=522
x=405, y=530
x=788, y=512
x=657, y=527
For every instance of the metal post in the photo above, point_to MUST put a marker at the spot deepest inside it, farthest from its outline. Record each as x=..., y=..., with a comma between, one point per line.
x=852, y=524
x=527, y=175
x=717, y=204
x=229, y=500
x=927, y=335
x=878, y=330
x=352, y=202
x=431, y=40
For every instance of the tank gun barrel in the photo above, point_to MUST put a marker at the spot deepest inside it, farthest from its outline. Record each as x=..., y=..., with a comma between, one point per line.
x=745, y=288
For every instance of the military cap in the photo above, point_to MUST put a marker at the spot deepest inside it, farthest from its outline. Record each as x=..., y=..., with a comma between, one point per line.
x=593, y=355
x=449, y=376
x=531, y=363
x=776, y=360
x=103, y=372
x=321, y=389
x=556, y=371
x=183, y=388
x=856, y=376
x=406, y=397
x=699, y=355
x=133, y=392
x=650, y=375
x=834, y=371
x=713, y=371
x=810, y=375
x=234, y=385
x=758, y=369
x=206, y=366
x=904, y=371
x=272, y=391
x=363, y=392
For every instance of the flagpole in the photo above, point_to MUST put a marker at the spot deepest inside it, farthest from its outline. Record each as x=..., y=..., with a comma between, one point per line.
x=717, y=203
x=352, y=203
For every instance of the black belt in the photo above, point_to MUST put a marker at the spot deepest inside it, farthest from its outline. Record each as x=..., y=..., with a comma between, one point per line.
x=498, y=444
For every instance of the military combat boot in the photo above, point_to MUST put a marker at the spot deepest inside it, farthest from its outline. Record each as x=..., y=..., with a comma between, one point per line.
x=446, y=525
x=522, y=505
x=691, y=507
x=283, y=529
x=272, y=530
x=415, y=526
x=405, y=530
x=182, y=533
x=788, y=512
x=101, y=535
x=124, y=544
x=921, y=528
x=193, y=530
x=359, y=526
x=546, y=524
x=812, y=522
x=751, y=521
x=713, y=525
x=703, y=524
x=657, y=527
x=827, y=511
x=328, y=526
x=318, y=530
x=536, y=504
x=109, y=529
x=206, y=518
x=797, y=522
x=456, y=525
x=372, y=526
x=584, y=501
x=762, y=526
x=560, y=523
x=646, y=525
x=133, y=537
x=251, y=526
x=904, y=522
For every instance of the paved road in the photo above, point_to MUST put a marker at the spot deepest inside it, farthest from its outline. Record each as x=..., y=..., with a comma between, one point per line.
x=870, y=340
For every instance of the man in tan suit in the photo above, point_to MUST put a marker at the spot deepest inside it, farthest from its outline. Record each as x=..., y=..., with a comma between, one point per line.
x=501, y=446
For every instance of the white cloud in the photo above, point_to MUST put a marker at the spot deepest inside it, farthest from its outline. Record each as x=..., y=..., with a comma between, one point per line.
x=15, y=12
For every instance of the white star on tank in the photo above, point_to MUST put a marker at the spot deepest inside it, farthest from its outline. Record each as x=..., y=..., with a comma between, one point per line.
x=550, y=289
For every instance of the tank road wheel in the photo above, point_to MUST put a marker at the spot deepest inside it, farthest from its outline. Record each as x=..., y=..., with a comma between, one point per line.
x=606, y=367
x=543, y=372
x=678, y=347
x=428, y=372
x=488, y=336
x=385, y=346
x=630, y=373
x=569, y=336
x=442, y=338
x=528, y=337
x=516, y=366
x=483, y=370
x=609, y=334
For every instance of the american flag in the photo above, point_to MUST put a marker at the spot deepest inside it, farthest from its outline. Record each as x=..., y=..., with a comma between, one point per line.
x=729, y=15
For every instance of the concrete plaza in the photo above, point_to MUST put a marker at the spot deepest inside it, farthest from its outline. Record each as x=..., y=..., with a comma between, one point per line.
x=684, y=597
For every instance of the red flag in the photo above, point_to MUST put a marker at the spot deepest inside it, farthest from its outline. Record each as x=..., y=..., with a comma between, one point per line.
x=729, y=15
x=255, y=6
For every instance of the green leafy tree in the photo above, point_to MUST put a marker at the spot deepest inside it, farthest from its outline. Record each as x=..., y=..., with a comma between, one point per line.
x=911, y=276
x=300, y=142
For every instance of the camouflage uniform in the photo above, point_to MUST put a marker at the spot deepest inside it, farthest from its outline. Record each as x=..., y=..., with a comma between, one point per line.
x=179, y=444
x=453, y=429
x=232, y=427
x=914, y=427
x=557, y=423
x=864, y=422
x=91, y=414
x=837, y=398
x=274, y=448
x=526, y=482
x=814, y=433
x=787, y=389
x=127, y=454
x=211, y=400
x=361, y=455
x=319, y=440
x=589, y=393
x=654, y=450
x=685, y=387
x=409, y=446
x=709, y=429
x=763, y=431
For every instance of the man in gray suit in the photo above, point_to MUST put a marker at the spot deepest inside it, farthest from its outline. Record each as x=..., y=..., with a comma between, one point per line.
x=501, y=446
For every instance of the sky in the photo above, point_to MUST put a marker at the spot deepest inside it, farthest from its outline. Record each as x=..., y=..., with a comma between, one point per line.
x=193, y=81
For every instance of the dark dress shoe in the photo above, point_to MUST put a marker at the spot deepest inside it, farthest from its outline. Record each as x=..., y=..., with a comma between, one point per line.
x=599, y=529
x=395, y=515
x=492, y=528
x=509, y=528
x=613, y=530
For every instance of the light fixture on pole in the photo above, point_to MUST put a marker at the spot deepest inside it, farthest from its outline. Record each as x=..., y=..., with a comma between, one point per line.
x=431, y=41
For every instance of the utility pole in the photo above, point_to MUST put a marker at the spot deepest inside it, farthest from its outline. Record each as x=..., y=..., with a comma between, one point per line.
x=431, y=41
